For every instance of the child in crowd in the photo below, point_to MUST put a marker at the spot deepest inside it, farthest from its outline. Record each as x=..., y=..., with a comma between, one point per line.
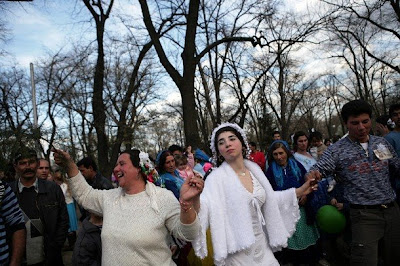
x=181, y=162
x=87, y=250
x=202, y=164
x=60, y=179
x=317, y=145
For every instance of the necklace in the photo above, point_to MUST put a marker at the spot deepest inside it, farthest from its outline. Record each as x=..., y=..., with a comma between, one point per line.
x=241, y=173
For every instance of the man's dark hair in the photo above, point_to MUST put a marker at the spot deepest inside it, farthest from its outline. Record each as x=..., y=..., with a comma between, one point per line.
x=355, y=108
x=393, y=108
x=316, y=134
x=87, y=162
x=175, y=147
x=276, y=132
x=24, y=153
x=383, y=119
x=252, y=143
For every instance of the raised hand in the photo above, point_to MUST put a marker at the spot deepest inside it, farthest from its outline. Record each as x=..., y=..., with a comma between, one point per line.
x=63, y=159
x=191, y=189
x=309, y=186
x=315, y=175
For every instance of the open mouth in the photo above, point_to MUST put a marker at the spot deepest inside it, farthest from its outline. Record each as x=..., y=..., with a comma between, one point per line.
x=119, y=175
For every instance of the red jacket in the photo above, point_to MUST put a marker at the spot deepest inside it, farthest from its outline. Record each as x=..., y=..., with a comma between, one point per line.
x=259, y=158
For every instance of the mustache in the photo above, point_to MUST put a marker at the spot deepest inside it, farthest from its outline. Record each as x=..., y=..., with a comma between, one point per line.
x=28, y=171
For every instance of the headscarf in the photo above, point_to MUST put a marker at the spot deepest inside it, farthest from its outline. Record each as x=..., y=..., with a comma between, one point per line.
x=238, y=129
x=278, y=170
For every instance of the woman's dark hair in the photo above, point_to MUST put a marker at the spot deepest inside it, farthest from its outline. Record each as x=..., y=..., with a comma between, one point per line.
x=296, y=137
x=174, y=148
x=355, y=108
x=163, y=159
x=221, y=159
x=275, y=146
x=134, y=157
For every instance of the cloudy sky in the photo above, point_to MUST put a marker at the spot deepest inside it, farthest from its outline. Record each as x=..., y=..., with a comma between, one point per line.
x=35, y=27
x=43, y=25
x=51, y=24
x=46, y=26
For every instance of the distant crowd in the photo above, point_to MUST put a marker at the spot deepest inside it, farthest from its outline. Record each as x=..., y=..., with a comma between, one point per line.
x=315, y=202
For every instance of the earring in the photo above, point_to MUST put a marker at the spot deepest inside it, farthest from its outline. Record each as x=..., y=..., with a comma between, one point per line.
x=221, y=158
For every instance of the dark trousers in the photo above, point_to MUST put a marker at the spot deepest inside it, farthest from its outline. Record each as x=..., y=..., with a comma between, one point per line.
x=369, y=226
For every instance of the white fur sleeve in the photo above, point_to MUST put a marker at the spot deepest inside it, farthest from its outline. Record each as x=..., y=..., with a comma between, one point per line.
x=289, y=208
x=200, y=242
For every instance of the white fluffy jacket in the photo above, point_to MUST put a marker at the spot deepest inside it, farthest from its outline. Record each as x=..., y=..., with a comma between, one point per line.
x=228, y=216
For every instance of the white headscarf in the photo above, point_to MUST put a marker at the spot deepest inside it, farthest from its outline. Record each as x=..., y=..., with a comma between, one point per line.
x=238, y=129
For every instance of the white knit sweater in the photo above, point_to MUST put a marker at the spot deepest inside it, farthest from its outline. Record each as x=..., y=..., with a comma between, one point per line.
x=135, y=227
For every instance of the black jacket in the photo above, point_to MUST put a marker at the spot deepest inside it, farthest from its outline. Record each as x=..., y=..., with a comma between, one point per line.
x=54, y=216
x=87, y=250
x=100, y=182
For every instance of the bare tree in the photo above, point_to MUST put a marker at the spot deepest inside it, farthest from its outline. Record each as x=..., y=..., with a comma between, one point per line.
x=15, y=111
x=363, y=76
x=55, y=75
x=100, y=13
x=185, y=17
x=381, y=20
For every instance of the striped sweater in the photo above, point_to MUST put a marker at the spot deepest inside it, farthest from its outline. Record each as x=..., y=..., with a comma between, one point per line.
x=11, y=219
x=365, y=177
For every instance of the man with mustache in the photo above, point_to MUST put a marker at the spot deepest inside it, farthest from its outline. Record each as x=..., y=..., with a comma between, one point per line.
x=44, y=209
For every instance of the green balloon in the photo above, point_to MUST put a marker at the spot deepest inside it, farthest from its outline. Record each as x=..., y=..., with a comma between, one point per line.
x=330, y=220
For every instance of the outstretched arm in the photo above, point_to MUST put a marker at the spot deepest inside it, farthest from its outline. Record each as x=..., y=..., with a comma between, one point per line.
x=89, y=198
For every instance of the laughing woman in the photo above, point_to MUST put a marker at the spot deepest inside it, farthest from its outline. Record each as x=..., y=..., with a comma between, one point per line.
x=247, y=219
x=138, y=216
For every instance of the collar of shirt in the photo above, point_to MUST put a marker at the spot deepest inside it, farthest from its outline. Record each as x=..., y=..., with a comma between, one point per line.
x=21, y=186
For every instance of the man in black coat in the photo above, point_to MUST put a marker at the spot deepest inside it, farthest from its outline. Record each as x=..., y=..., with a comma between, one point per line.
x=44, y=208
x=88, y=167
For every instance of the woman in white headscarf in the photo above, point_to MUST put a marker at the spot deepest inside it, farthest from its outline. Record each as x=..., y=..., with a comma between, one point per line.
x=247, y=219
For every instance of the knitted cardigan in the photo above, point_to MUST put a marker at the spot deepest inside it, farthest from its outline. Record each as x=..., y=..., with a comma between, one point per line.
x=229, y=217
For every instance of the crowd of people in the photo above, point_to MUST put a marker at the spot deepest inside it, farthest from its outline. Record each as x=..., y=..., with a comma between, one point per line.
x=239, y=206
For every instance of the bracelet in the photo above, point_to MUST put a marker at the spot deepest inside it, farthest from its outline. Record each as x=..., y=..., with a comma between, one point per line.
x=185, y=206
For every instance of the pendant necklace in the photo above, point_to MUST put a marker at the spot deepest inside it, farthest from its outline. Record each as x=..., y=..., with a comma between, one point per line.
x=243, y=173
